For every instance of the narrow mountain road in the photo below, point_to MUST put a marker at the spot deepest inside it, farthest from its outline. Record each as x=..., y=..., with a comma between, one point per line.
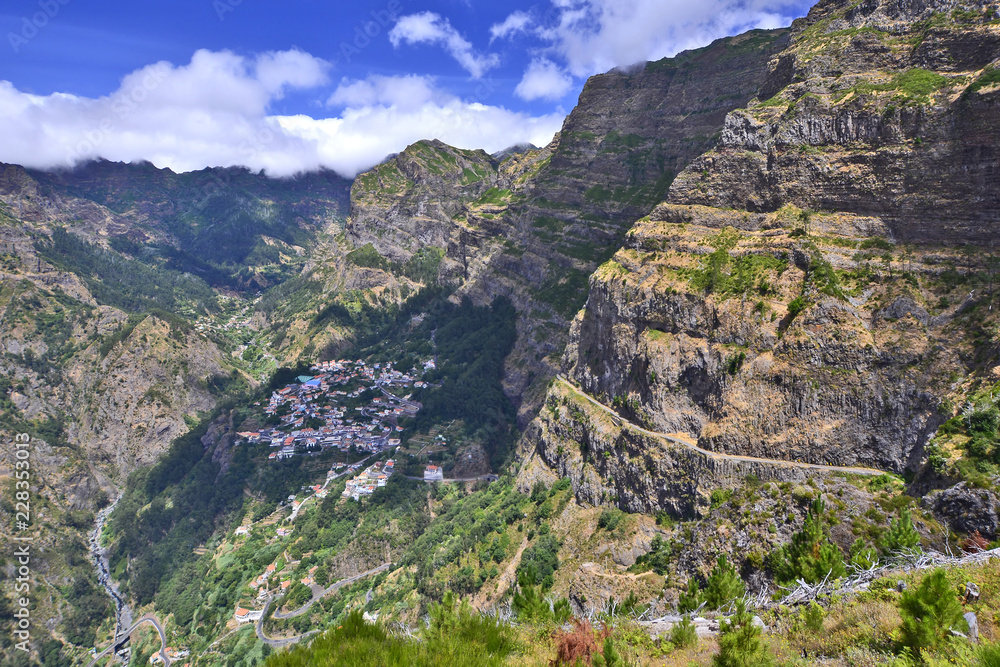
x=285, y=641
x=330, y=589
x=145, y=619
x=716, y=455
x=488, y=478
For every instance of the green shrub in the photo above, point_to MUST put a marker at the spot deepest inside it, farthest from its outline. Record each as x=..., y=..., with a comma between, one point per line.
x=901, y=534
x=683, y=634
x=797, y=305
x=610, y=518
x=724, y=585
x=719, y=497
x=929, y=612
x=692, y=598
x=739, y=642
x=657, y=559
x=813, y=617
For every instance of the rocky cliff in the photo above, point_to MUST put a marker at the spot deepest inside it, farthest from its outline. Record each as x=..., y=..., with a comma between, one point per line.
x=882, y=109
x=803, y=293
x=535, y=224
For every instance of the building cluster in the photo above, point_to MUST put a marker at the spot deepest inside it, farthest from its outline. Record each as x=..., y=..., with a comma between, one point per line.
x=373, y=477
x=311, y=419
x=172, y=653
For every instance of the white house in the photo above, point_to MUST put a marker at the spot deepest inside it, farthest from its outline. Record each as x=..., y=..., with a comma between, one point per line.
x=247, y=615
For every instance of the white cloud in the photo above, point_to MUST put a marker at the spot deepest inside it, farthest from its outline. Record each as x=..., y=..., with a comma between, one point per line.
x=402, y=92
x=517, y=22
x=543, y=80
x=293, y=68
x=378, y=120
x=214, y=111
x=594, y=36
x=431, y=28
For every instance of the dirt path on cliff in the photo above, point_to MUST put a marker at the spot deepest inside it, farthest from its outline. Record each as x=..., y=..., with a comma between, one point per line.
x=677, y=439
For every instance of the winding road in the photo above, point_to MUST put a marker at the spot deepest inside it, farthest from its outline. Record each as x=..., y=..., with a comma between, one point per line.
x=488, y=478
x=330, y=589
x=716, y=455
x=286, y=641
x=121, y=638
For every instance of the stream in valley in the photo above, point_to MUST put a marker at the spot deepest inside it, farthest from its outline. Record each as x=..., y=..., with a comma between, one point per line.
x=123, y=614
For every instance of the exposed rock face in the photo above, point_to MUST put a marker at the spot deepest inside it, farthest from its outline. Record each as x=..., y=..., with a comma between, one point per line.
x=966, y=509
x=885, y=109
x=132, y=404
x=843, y=382
x=633, y=131
x=609, y=463
x=741, y=316
x=556, y=213
x=410, y=201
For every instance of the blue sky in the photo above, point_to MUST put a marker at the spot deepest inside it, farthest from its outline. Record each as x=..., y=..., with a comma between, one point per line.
x=309, y=84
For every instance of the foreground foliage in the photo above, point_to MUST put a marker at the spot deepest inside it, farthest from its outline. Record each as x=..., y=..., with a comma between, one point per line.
x=930, y=612
x=456, y=636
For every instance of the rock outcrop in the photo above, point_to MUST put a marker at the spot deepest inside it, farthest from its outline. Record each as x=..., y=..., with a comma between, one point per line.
x=768, y=307
x=884, y=109
x=966, y=509
x=533, y=226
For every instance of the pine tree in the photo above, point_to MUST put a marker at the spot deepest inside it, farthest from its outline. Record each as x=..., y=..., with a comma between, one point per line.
x=740, y=644
x=863, y=555
x=929, y=612
x=684, y=634
x=692, y=598
x=810, y=556
x=901, y=534
x=724, y=585
x=528, y=602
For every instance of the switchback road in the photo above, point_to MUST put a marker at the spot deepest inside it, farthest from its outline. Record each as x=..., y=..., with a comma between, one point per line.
x=330, y=589
x=145, y=619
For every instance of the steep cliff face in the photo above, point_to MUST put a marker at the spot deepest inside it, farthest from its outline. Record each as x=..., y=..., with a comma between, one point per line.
x=533, y=226
x=884, y=109
x=633, y=131
x=770, y=307
x=772, y=356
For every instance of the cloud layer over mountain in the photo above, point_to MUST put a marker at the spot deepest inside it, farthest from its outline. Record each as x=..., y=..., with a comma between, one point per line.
x=214, y=111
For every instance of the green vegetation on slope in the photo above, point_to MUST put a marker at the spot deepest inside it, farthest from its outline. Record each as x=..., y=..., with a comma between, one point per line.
x=125, y=283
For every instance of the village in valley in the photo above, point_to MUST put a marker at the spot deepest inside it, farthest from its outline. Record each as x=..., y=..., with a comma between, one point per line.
x=349, y=406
